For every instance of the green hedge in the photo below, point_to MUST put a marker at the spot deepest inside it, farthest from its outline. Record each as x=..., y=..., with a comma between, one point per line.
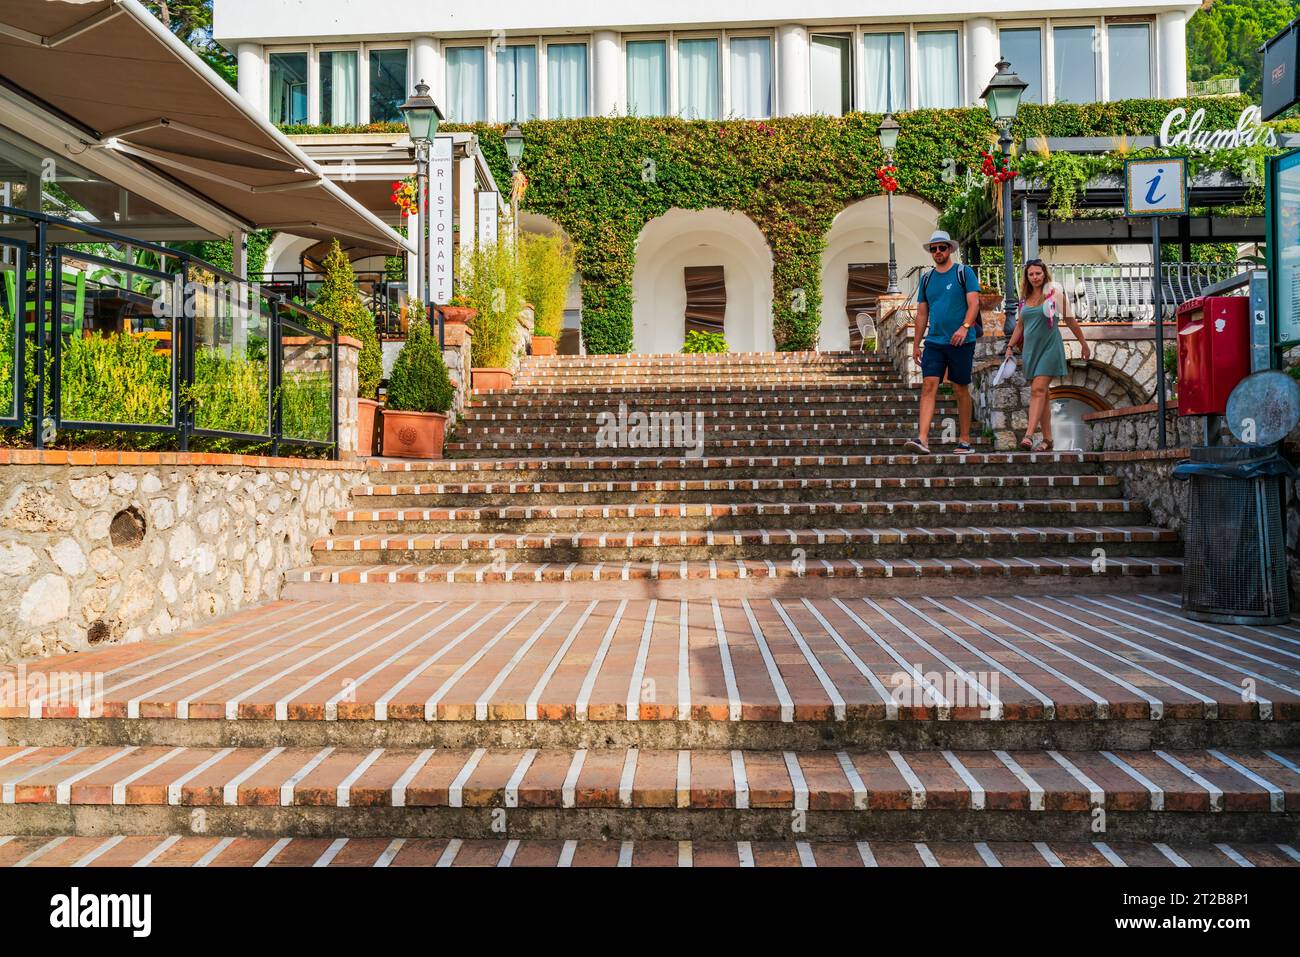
x=791, y=176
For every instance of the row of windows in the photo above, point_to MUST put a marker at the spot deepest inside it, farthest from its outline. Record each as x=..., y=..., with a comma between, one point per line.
x=871, y=71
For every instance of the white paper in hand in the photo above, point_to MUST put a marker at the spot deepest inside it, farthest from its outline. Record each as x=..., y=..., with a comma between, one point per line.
x=1005, y=371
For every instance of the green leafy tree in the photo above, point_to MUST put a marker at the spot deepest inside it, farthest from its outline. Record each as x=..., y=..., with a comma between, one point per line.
x=419, y=382
x=1223, y=39
x=191, y=21
x=339, y=300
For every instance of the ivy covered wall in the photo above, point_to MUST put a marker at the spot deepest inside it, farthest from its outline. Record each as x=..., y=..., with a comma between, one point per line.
x=603, y=179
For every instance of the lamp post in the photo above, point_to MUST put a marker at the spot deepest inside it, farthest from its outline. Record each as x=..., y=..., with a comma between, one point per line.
x=514, y=139
x=888, y=131
x=1002, y=97
x=422, y=115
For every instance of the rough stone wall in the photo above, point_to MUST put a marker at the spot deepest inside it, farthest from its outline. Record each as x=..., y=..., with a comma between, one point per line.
x=1135, y=430
x=98, y=555
x=456, y=356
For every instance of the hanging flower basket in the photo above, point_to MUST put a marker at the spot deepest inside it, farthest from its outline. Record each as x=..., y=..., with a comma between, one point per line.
x=406, y=196
x=887, y=177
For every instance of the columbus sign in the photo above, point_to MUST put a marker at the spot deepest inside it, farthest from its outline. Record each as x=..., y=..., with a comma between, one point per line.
x=1178, y=130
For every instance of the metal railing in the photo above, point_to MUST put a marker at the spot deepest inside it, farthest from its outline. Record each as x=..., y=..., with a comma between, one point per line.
x=1122, y=292
x=385, y=298
x=109, y=333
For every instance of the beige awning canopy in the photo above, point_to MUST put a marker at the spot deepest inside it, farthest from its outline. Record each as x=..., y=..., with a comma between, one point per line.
x=110, y=68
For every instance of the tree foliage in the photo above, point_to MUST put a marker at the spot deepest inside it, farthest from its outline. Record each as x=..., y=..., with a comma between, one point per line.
x=420, y=382
x=339, y=300
x=191, y=21
x=1223, y=39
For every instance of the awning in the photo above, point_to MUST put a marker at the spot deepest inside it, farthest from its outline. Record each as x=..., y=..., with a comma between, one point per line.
x=112, y=69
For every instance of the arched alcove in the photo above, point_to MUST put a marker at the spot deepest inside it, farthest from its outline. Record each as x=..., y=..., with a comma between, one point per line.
x=706, y=237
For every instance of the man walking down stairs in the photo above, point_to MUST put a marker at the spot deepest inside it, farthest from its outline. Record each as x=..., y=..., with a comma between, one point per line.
x=691, y=610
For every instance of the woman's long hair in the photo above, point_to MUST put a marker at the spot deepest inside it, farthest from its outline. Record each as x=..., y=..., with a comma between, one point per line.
x=1025, y=288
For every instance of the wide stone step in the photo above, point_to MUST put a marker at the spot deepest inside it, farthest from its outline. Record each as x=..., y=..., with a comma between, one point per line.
x=187, y=850
x=634, y=518
x=762, y=387
x=859, y=488
x=663, y=430
x=746, y=399
x=638, y=793
x=572, y=446
x=774, y=544
x=713, y=417
x=656, y=467
x=919, y=673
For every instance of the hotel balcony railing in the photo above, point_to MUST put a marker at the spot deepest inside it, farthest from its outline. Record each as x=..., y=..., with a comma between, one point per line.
x=108, y=333
x=1122, y=292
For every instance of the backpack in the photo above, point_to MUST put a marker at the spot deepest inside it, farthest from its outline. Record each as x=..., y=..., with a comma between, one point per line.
x=961, y=281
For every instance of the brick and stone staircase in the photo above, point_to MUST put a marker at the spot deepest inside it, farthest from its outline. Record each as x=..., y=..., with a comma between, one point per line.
x=781, y=651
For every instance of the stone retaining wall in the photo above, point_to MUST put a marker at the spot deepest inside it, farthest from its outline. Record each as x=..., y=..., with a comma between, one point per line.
x=104, y=547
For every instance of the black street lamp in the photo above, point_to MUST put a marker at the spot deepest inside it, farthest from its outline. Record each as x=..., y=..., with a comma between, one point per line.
x=1002, y=97
x=514, y=139
x=422, y=115
x=888, y=131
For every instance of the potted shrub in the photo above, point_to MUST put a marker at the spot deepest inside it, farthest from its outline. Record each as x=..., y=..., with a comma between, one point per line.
x=492, y=285
x=548, y=270
x=339, y=300
x=419, y=394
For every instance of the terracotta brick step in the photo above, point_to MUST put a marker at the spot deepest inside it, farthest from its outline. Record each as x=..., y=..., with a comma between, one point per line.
x=744, y=398
x=176, y=850
x=831, y=541
x=543, y=416
x=575, y=446
x=589, y=431
x=738, y=515
x=740, y=466
x=859, y=488
x=780, y=360
x=712, y=387
x=1227, y=782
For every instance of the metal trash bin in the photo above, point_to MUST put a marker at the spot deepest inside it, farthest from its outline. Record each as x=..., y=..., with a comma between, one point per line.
x=1234, y=557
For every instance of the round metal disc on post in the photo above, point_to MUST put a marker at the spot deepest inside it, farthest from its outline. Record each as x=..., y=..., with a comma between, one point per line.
x=1264, y=408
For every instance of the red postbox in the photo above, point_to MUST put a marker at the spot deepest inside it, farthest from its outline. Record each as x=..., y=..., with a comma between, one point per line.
x=1213, y=352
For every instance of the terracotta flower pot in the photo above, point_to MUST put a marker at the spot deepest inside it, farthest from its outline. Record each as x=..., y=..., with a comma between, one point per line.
x=367, y=420
x=414, y=435
x=543, y=345
x=492, y=378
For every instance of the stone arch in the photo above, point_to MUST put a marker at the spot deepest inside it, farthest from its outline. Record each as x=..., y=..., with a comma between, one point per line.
x=284, y=254
x=1110, y=384
x=701, y=237
x=860, y=234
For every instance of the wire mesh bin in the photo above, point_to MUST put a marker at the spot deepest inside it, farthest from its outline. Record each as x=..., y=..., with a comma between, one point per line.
x=1234, y=558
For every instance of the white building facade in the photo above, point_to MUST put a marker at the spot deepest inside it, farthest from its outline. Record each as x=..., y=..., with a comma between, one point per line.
x=343, y=63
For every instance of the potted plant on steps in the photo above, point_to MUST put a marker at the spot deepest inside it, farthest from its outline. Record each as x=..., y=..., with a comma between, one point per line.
x=493, y=285
x=339, y=300
x=548, y=270
x=419, y=394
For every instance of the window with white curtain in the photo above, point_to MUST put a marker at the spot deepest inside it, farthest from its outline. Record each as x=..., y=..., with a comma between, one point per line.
x=288, y=99
x=338, y=87
x=884, y=61
x=832, y=73
x=938, y=77
x=1075, y=62
x=647, y=78
x=388, y=87
x=517, y=82
x=466, y=85
x=1023, y=49
x=566, y=80
x=1130, y=60
x=699, y=79
x=751, y=77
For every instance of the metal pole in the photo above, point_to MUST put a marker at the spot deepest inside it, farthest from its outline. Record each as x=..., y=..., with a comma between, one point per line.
x=1157, y=294
x=514, y=211
x=38, y=399
x=892, y=289
x=1009, y=301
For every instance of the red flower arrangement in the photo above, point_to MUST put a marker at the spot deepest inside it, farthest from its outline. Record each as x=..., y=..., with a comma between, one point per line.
x=999, y=173
x=404, y=196
x=888, y=178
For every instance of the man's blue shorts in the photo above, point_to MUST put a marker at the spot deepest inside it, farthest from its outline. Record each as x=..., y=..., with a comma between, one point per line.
x=957, y=361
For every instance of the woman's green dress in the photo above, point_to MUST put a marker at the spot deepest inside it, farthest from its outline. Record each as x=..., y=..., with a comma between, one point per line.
x=1043, y=349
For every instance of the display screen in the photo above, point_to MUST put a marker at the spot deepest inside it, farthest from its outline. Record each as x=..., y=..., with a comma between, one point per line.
x=1284, y=251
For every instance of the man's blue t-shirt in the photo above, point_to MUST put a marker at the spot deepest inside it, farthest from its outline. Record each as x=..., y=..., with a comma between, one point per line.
x=947, y=302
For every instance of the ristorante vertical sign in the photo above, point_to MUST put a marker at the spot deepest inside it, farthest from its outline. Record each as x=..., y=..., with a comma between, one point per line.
x=441, y=236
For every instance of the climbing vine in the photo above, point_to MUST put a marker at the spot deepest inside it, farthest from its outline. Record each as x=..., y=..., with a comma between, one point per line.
x=604, y=179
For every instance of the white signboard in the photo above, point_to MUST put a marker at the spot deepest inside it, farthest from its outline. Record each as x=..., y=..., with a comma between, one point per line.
x=1156, y=187
x=1178, y=130
x=487, y=218
x=441, y=236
